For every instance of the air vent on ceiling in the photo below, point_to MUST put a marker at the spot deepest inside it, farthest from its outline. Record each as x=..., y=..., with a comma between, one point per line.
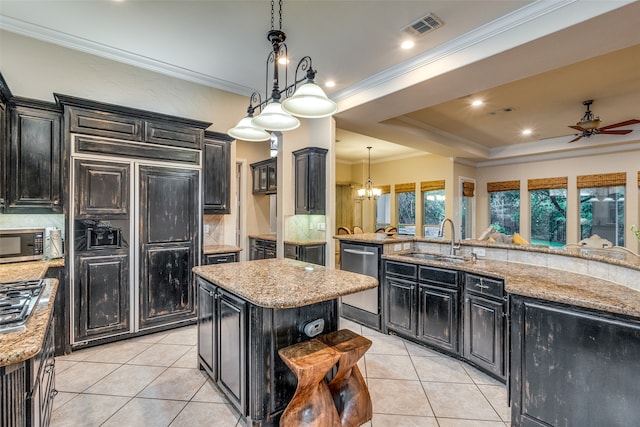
x=423, y=25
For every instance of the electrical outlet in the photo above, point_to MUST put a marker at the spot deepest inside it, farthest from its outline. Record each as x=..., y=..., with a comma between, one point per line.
x=479, y=251
x=406, y=246
x=206, y=228
x=397, y=247
x=322, y=226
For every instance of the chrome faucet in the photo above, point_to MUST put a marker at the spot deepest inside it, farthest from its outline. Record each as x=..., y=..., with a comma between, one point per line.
x=454, y=247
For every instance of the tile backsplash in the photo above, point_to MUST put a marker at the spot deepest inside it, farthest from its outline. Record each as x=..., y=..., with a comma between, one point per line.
x=305, y=227
x=214, y=226
x=32, y=220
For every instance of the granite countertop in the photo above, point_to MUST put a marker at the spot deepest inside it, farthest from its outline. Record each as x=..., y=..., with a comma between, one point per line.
x=547, y=284
x=17, y=271
x=271, y=237
x=380, y=238
x=219, y=249
x=283, y=282
x=23, y=344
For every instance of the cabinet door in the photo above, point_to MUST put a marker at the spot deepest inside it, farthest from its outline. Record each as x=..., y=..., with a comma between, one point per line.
x=212, y=259
x=102, y=188
x=401, y=303
x=484, y=333
x=310, y=181
x=217, y=176
x=35, y=179
x=438, y=316
x=168, y=237
x=302, y=184
x=101, y=296
x=232, y=338
x=313, y=254
x=272, y=177
x=207, y=332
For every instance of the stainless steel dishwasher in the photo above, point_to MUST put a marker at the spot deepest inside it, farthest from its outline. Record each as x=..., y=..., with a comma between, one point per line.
x=362, y=307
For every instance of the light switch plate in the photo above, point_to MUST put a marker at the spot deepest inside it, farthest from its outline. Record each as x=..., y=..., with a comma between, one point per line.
x=406, y=246
x=397, y=247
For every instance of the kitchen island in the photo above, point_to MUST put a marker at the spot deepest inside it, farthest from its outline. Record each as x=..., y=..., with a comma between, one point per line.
x=249, y=310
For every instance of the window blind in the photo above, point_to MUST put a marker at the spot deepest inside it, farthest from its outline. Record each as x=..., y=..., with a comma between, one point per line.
x=405, y=188
x=602, y=180
x=385, y=189
x=547, y=183
x=432, y=185
x=493, y=187
x=468, y=188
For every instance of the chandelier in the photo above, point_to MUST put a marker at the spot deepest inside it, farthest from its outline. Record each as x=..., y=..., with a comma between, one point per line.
x=308, y=100
x=368, y=191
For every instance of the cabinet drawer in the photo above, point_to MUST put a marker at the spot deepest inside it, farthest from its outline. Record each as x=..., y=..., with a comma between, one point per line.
x=484, y=286
x=219, y=258
x=438, y=275
x=173, y=135
x=401, y=269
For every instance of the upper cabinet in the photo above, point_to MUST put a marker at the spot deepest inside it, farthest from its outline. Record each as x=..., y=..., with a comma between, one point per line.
x=217, y=173
x=265, y=177
x=33, y=157
x=310, y=180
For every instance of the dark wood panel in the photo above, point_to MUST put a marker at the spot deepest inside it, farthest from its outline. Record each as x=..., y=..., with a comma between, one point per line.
x=141, y=151
x=101, y=295
x=310, y=181
x=101, y=123
x=217, y=176
x=176, y=135
x=34, y=179
x=102, y=189
x=438, y=316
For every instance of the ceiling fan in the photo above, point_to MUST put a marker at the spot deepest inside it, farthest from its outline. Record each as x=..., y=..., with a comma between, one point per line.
x=588, y=125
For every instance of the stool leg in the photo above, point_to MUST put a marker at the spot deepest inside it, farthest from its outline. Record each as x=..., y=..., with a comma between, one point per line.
x=311, y=404
x=350, y=391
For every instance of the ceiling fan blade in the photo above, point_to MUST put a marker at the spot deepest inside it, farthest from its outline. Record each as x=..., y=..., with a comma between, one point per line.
x=575, y=139
x=615, y=132
x=581, y=129
x=615, y=125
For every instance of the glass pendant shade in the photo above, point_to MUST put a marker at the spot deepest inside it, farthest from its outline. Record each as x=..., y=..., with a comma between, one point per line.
x=309, y=101
x=273, y=117
x=246, y=131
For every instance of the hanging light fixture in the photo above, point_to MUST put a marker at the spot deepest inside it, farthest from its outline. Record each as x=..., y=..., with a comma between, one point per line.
x=308, y=100
x=368, y=191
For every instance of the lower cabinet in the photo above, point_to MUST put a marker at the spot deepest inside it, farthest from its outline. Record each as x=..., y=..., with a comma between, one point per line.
x=222, y=330
x=313, y=254
x=438, y=314
x=261, y=249
x=572, y=366
x=27, y=388
x=484, y=324
x=400, y=295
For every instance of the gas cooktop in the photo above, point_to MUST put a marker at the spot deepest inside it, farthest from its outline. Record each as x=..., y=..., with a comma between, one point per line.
x=17, y=300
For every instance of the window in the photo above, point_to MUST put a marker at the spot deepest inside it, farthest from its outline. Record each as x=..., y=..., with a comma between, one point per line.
x=548, y=198
x=383, y=208
x=504, y=206
x=433, y=198
x=601, y=200
x=406, y=205
x=466, y=210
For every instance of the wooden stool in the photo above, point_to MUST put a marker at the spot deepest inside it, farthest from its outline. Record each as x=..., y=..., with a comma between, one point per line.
x=350, y=393
x=311, y=404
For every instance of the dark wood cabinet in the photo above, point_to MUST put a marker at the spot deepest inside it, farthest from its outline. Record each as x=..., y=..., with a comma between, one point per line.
x=168, y=236
x=265, y=176
x=572, y=366
x=101, y=295
x=313, y=254
x=222, y=340
x=261, y=249
x=34, y=179
x=310, y=181
x=210, y=259
x=400, y=283
x=438, y=316
x=484, y=324
x=60, y=311
x=216, y=169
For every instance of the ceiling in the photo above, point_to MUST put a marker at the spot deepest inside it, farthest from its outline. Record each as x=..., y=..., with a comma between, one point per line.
x=532, y=62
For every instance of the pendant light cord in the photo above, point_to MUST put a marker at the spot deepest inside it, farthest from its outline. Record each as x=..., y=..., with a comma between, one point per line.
x=273, y=14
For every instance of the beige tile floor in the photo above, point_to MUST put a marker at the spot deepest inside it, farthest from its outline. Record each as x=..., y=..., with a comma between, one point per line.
x=154, y=381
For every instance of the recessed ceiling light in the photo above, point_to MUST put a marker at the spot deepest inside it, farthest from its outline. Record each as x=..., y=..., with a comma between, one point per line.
x=407, y=44
x=330, y=83
x=527, y=132
x=477, y=103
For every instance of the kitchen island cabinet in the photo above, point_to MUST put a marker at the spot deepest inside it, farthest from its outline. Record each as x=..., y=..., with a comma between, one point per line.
x=247, y=311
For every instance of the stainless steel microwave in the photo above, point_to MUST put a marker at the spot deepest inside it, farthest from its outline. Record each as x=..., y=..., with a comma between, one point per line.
x=21, y=244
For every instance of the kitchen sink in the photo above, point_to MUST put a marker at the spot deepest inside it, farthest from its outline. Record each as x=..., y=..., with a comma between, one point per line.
x=436, y=257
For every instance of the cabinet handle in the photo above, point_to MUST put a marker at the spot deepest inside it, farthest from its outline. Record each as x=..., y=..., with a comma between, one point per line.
x=211, y=294
x=53, y=393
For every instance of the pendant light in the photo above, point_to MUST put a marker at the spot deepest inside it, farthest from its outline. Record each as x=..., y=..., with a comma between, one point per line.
x=368, y=191
x=308, y=100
